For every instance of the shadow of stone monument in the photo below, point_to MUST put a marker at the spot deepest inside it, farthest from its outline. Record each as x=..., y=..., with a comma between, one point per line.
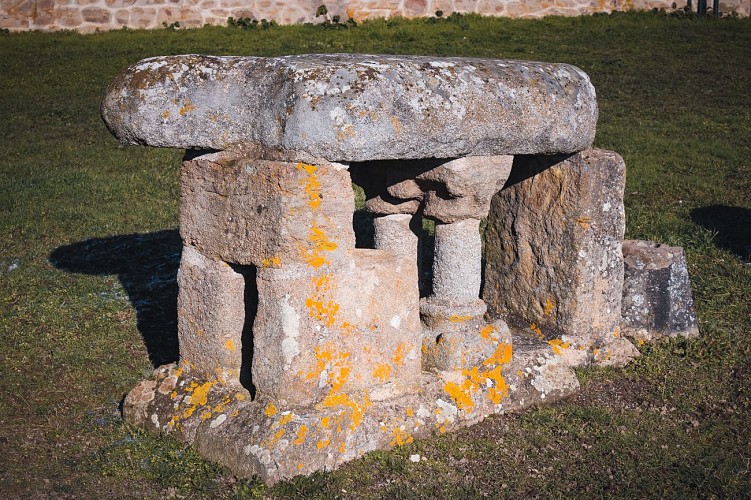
x=146, y=265
x=732, y=225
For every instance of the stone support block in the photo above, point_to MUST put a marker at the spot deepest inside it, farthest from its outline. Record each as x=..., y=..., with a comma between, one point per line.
x=266, y=213
x=657, y=301
x=350, y=331
x=554, y=265
x=211, y=315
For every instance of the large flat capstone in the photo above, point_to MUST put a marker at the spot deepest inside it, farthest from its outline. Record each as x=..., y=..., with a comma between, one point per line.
x=350, y=107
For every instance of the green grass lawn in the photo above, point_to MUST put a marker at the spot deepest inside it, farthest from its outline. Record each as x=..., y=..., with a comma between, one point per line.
x=89, y=252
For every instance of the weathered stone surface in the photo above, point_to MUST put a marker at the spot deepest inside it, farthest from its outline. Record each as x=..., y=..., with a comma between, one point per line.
x=266, y=212
x=276, y=442
x=211, y=314
x=657, y=299
x=553, y=253
x=314, y=337
x=447, y=191
x=350, y=107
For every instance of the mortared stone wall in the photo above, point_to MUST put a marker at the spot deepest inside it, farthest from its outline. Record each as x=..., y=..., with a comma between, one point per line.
x=87, y=16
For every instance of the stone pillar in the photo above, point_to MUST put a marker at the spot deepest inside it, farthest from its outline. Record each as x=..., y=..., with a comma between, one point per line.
x=395, y=232
x=211, y=315
x=457, y=274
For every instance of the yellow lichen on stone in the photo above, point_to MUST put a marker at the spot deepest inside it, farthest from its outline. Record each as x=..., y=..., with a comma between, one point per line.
x=382, y=371
x=274, y=261
x=270, y=410
x=187, y=107
x=538, y=332
x=400, y=437
x=559, y=345
x=230, y=345
x=458, y=394
x=549, y=306
x=456, y=318
x=301, y=433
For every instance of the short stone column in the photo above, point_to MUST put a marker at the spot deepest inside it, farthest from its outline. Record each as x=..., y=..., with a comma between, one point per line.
x=457, y=274
x=396, y=232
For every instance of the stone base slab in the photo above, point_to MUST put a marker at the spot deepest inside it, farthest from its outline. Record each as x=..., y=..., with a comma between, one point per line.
x=259, y=437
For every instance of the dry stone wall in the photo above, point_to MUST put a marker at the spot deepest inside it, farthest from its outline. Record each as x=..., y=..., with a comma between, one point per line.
x=89, y=15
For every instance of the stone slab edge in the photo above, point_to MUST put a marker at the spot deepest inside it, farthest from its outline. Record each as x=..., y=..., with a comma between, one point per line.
x=354, y=107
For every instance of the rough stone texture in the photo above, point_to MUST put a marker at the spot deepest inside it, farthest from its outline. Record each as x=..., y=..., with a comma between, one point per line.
x=46, y=15
x=277, y=442
x=265, y=212
x=350, y=107
x=349, y=329
x=457, y=264
x=211, y=314
x=553, y=253
x=657, y=300
x=447, y=191
x=397, y=232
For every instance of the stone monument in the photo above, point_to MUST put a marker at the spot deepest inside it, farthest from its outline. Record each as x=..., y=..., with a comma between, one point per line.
x=298, y=350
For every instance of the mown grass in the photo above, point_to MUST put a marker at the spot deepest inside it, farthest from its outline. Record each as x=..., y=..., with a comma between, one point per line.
x=88, y=255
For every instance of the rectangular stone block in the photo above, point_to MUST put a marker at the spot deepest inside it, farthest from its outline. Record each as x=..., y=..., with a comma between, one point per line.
x=657, y=301
x=553, y=251
x=211, y=315
x=353, y=333
x=266, y=213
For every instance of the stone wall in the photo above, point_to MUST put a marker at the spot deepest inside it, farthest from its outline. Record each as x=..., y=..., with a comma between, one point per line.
x=89, y=15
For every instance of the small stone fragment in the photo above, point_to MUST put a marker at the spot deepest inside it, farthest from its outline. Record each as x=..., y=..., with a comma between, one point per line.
x=657, y=301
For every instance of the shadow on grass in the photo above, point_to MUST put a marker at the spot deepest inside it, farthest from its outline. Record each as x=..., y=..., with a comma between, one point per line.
x=732, y=225
x=146, y=265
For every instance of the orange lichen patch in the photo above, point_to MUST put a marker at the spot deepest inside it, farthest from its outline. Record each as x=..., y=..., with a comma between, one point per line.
x=165, y=115
x=487, y=332
x=501, y=356
x=322, y=443
x=382, y=371
x=640, y=341
x=477, y=378
x=400, y=437
x=230, y=345
x=520, y=373
x=584, y=222
x=318, y=243
x=559, y=345
x=342, y=447
x=410, y=412
x=459, y=395
x=549, y=306
x=456, y=318
x=335, y=362
x=287, y=418
x=240, y=397
x=326, y=422
x=399, y=353
x=274, y=261
x=274, y=439
x=270, y=410
x=538, y=332
x=173, y=394
x=187, y=107
x=312, y=185
x=178, y=372
x=301, y=433
x=617, y=333
x=356, y=411
x=205, y=415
